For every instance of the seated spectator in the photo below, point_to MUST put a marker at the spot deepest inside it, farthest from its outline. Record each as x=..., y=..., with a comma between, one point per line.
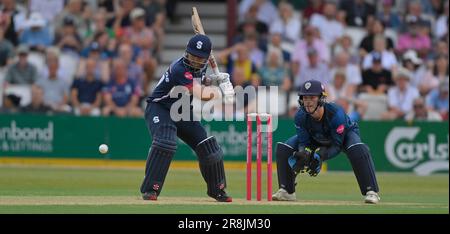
x=420, y=112
x=251, y=24
x=74, y=9
x=53, y=53
x=345, y=44
x=95, y=52
x=86, y=91
x=421, y=78
x=401, y=96
x=255, y=53
x=22, y=72
x=355, y=109
x=351, y=71
x=388, y=59
x=438, y=99
x=274, y=73
x=267, y=12
x=121, y=95
x=440, y=47
x=367, y=44
x=441, y=29
x=316, y=70
x=154, y=12
x=96, y=27
x=440, y=69
x=414, y=11
x=330, y=29
x=314, y=7
x=389, y=18
x=143, y=39
x=340, y=87
x=37, y=105
x=289, y=23
x=134, y=71
x=36, y=35
x=6, y=49
x=11, y=104
x=102, y=44
x=376, y=80
x=358, y=11
x=155, y=18
x=414, y=39
x=238, y=56
x=275, y=44
x=56, y=89
x=67, y=39
x=300, y=56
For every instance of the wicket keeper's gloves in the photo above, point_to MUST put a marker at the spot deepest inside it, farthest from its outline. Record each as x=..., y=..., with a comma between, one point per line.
x=225, y=85
x=299, y=161
x=315, y=164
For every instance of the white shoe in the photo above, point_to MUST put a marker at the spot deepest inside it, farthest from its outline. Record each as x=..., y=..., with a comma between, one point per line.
x=283, y=195
x=372, y=197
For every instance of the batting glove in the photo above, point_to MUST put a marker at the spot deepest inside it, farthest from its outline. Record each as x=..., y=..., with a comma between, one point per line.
x=225, y=85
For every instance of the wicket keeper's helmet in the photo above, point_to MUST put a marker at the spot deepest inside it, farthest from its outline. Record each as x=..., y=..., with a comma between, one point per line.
x=312, y=88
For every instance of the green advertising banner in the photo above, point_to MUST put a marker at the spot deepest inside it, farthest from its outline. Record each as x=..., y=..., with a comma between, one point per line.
x=421, y=147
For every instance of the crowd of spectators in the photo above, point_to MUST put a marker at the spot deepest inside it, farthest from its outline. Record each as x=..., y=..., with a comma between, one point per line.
x=396, y=50
x=82, y=57
x=99, y=57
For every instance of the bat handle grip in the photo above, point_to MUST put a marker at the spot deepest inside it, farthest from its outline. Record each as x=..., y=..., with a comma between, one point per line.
x=212, y=62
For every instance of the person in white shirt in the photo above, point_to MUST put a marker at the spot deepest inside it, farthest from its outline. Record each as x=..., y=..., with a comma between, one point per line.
x=420, y=112
x=289, y=23
x=339, y=87
x=388, y=59
x=352, y=72
x=441, y=28
x=401, y=96
x=330, y=29
x=267, y=12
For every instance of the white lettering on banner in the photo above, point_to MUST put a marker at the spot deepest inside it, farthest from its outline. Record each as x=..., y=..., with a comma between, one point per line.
x=423, y=157
x=16, y=139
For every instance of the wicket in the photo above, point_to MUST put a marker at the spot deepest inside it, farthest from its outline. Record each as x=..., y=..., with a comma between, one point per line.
x=250, y=119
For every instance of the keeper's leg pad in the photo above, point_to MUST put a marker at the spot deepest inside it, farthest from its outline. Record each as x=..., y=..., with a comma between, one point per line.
x=363, y=167
x=286, y=176
x=210, y=158
x=160, y=155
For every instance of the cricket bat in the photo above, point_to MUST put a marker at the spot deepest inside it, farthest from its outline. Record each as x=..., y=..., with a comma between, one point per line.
x=198, y=29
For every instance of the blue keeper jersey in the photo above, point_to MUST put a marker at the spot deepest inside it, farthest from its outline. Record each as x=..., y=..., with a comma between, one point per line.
x=328, y=132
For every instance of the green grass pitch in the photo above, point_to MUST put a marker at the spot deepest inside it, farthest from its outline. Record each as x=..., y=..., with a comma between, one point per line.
x=80, y=190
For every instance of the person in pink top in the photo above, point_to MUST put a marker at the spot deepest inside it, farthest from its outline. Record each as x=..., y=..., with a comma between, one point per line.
x=299, y=55
x=413, y=39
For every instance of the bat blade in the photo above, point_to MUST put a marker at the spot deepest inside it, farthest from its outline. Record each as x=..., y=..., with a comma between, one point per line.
x=196, y=22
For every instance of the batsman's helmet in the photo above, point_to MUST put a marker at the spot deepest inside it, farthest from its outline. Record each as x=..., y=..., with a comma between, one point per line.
x=200, y=46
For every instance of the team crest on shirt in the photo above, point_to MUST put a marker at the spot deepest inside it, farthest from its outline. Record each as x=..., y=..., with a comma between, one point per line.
x=340, y=129
x=128, y=89
x=188, y=75
x=307, y=85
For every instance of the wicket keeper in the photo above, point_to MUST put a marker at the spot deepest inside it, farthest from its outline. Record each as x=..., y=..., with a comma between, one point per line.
x=323, y=131
x=164, y=130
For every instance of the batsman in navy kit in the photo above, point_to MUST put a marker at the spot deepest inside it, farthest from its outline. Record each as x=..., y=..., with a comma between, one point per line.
x=164, y=130
x=323, y=131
